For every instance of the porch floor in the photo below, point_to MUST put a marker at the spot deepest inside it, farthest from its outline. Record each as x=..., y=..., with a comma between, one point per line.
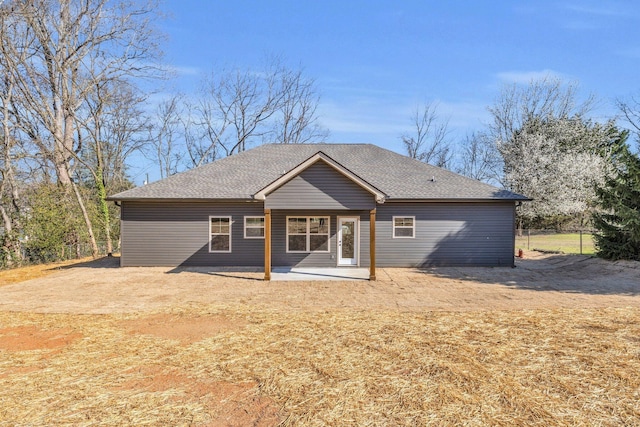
x=317, y=273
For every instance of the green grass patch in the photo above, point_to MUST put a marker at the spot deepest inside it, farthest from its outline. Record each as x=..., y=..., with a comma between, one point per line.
x=568, y=243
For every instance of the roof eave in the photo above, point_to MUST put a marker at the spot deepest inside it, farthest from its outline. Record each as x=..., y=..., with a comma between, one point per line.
x=458, y=200
x=180, y=199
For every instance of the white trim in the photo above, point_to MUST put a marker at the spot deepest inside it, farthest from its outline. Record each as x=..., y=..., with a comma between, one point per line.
x=221, y=234
x=308, y=234
x=413, y=228
x=245, y=227
x=356, y=248
x=287, y=176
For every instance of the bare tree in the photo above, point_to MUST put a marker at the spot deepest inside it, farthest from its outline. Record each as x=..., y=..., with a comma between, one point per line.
x=10, y=208
x=428, y=141
x=296, y=121
x=630, y=109
x=545, y=97
x=251, y=100
x=74, y=46
x=66, y=48
x=10, y=142
x=166, y=135
x=118, y=127
x=480, y=159
x=112, y=128
x=206, y=123
x=237, y=108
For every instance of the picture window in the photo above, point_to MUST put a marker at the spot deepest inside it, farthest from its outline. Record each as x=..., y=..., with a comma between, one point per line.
x=307, y=234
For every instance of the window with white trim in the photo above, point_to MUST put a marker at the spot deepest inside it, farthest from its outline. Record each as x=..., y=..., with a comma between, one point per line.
x=308, y=234
x=220, y=234
x=254, y=227
x=404, y=227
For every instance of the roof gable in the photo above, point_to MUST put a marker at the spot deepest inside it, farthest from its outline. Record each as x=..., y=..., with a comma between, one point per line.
x=319, y=157
x=320, y=187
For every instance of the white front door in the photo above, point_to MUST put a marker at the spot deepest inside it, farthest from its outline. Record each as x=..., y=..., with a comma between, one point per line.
x=348, y=241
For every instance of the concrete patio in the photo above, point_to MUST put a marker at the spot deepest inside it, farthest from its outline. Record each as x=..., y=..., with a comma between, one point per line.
x=311, y=273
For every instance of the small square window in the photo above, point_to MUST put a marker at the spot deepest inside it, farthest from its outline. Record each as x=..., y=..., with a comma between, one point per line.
x=404, y=227
x=254, y=227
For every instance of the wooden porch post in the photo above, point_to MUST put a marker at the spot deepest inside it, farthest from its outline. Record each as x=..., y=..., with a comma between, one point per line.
x=372, y=245
x=267, y=244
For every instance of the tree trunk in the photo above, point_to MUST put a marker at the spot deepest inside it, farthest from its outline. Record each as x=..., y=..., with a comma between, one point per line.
x=60, y=151
x=87, y=220
x=520, y=227
x=104, y=209
x=11, y=245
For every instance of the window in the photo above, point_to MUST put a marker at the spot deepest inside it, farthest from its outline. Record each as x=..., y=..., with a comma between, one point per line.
x=404, y=227
x=254, y=227
x=220, y=231
x=307, y=234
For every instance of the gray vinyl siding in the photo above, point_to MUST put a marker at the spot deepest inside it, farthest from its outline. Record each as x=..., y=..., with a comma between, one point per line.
x=280, y=257
x=453, y=234
x=320, y=187
x=177, y=234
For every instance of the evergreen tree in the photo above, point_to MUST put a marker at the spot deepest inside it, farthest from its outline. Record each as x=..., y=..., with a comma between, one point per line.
x=618, y=220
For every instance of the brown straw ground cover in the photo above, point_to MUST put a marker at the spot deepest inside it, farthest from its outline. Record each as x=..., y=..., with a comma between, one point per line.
x=255, y=365
x=20, y=274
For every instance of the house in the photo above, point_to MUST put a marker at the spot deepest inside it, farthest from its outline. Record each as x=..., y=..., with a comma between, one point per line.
x=321, y=205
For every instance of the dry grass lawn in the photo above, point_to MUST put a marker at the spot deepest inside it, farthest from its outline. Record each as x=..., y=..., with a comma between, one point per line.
x=271, y=361
x=20, y=274
x=568, y=243
x=252, y=365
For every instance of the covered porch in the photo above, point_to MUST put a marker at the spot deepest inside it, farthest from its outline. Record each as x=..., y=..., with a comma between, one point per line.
x=313, y=215
x=349, y=252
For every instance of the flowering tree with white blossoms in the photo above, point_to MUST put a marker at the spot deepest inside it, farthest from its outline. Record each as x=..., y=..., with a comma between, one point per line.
x=558, y=162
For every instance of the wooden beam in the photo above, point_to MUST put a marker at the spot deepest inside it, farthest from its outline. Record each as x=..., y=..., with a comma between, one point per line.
x=267, y=244
x=372, y=245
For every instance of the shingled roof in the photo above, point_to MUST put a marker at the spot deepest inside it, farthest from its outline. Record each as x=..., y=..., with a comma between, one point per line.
x=243, y=175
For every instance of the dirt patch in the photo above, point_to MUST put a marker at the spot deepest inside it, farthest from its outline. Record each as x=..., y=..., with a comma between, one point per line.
x=24, y=338
x=228, y=404
x=185, y=329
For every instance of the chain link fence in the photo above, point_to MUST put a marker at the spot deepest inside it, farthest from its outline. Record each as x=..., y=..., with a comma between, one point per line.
x=63, y=253
x=566, y=241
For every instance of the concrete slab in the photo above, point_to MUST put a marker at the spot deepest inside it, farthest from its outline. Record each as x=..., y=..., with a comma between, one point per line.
x=313, y=273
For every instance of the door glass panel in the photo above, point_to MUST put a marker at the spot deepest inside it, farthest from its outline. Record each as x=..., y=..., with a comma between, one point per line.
x=348, y=239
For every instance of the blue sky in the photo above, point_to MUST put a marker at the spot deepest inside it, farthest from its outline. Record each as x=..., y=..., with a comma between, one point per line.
x=374, y=61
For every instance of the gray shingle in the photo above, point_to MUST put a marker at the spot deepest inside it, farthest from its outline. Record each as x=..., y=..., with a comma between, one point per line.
x=242, y=175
